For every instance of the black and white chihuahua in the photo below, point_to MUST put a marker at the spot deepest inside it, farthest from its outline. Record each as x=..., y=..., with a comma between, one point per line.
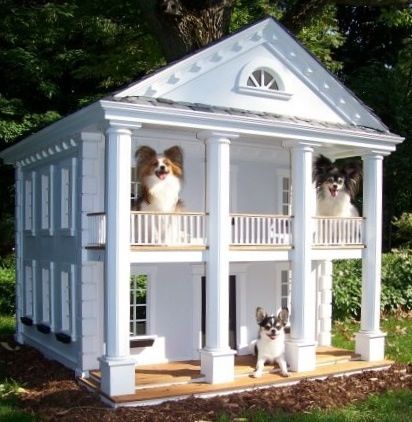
x=336, y=187
x=270, y=345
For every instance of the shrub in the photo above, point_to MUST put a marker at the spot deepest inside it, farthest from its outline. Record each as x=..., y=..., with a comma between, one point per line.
x=403, y=233
x=7, y=285
x=396, y=284
x=347, y=291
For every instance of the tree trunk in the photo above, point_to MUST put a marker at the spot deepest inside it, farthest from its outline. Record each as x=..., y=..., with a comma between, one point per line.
x=182, y=26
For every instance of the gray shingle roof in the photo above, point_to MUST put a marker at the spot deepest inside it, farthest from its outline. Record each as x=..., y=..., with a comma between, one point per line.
x=206, y=108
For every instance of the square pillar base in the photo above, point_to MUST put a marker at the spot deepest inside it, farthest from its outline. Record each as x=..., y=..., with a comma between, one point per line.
x=301, y=357
x=370, y=346
x=218, y=366
x=118, y=376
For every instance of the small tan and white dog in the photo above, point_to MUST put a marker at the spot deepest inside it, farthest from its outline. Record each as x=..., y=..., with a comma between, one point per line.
x=160, y=177
x=270, y=345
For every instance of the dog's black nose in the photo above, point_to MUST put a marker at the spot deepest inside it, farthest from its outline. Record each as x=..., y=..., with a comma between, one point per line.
x=162, y=168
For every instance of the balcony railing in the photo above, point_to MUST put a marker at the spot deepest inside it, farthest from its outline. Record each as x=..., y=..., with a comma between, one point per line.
x=338, y=231
x=167, y=229
x=190, y=229
x=261, y=230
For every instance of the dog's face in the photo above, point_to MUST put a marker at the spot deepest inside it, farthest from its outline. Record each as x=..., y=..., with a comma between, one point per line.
x=332, y=179
x=334, y=183
x=149, y=163
x=271, y=326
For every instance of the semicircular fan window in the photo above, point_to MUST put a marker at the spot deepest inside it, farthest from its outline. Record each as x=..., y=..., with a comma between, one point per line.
x=261, y=78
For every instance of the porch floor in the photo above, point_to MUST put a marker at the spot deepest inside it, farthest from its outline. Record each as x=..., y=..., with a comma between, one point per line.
x=178, y=380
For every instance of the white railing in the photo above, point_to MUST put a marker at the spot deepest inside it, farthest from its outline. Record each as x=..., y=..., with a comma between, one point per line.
x=261, y=230
x=167, y=229
x=189, y=229
x=97, y=228
x=338, y=231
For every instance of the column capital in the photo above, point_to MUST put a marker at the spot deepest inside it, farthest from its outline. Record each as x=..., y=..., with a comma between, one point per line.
x=374, y=155
x=300, y=145
x=122, y=126
x=216, y=136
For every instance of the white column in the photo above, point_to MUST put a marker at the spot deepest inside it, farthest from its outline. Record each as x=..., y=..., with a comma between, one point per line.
x=324, y=280
x=117, y=368
x=300, y=349
x=217, y=359
x=370, y=341
x=19, y=216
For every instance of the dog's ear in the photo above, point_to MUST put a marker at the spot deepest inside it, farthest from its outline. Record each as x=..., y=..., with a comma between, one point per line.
x=145, y=153
x=321, y=166
x=283, y=315
x=353, y=172
x=261, y=314
x=175, y=154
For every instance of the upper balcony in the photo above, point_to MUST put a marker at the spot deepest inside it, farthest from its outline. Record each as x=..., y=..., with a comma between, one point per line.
x=187, y=231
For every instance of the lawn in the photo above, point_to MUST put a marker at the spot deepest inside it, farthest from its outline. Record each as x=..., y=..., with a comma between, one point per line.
x=398, y=339
x=387, y=407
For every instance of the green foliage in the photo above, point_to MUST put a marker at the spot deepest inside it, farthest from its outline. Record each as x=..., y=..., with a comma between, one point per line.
x=321, y=35
x=346, y=298
x=138, y=285
x=397, y=280
x=7, y=324
x=58, y=56
x=396, y=285
x=7, y=285
x=9, y=392
x=403, y=225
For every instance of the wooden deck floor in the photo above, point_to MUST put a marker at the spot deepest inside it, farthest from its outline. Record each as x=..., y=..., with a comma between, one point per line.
x=177, y=380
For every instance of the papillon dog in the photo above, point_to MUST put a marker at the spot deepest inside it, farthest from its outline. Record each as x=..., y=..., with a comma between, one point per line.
x=160, y=178
x=336, y=187
x=270, y=345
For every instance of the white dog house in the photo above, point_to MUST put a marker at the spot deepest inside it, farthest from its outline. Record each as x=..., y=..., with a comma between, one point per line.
x=250, y=113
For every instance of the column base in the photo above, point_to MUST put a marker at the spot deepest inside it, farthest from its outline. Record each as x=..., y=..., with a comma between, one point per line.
x=301, y=357
x=118, y=376
x=370, y=346
x=218, y=366
x=325, y=338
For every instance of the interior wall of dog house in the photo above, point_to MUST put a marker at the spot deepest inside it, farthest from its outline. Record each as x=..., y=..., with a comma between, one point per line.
x=253, y=168
x=177, y=324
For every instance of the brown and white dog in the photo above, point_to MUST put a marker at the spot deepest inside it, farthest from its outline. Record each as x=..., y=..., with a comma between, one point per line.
x=160, y=177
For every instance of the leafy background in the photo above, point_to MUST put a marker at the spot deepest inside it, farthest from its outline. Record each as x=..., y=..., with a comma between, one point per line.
x=59, y=55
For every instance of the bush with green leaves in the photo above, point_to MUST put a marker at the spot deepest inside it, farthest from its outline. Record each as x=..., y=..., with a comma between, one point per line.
x=7, y=285
x=403, y=233
x=396, y=284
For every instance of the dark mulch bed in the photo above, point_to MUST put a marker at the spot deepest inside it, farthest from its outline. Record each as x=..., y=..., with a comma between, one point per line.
x=52, y=392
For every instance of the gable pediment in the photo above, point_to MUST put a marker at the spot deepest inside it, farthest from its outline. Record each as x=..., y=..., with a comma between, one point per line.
x=236, y=72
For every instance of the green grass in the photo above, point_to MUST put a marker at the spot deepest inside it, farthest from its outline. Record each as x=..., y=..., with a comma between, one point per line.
x=398, y=339
x=387, y=407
